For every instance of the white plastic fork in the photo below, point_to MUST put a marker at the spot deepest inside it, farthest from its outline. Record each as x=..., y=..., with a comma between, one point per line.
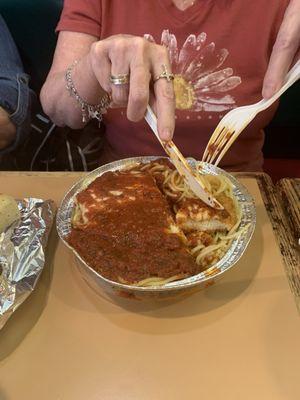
x=234, y=122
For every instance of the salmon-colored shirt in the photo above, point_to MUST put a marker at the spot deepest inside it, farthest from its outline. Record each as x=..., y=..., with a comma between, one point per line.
x=219, y=50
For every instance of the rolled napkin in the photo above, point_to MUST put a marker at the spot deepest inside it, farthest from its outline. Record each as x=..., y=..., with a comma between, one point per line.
x=9, y=211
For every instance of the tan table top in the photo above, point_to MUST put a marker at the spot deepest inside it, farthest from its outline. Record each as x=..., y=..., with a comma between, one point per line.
x=236, y=340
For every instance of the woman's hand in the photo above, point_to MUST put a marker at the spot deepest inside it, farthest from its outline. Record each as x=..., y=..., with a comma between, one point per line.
x=143, y=61
x=285, y=50
x=7, y=129
x=97, y=61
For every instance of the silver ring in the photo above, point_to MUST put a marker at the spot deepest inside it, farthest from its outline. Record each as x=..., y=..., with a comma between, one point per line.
x=121, y=79
x=165, y=74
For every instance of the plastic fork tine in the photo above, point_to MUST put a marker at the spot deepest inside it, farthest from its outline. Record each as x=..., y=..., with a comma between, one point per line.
x=212, y=144
x=219, y=144
x=225, y=134
x=226, y=148
x=228, y=134
x=213, y=137
x=230, y=142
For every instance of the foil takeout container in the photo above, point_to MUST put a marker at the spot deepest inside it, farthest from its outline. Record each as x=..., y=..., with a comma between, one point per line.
x=22, y=253
x=173, y=289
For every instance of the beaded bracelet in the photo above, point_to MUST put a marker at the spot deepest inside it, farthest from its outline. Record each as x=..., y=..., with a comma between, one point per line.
x=88, y=111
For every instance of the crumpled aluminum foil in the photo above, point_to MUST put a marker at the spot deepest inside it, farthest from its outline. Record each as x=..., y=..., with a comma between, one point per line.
x=22, y=253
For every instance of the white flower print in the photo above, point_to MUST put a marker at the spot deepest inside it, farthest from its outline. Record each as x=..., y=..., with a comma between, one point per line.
x=200, y=84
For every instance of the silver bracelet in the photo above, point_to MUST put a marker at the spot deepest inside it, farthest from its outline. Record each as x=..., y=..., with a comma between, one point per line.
x=88, y=111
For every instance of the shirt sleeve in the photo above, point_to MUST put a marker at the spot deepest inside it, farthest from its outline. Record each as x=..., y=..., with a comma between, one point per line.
x=81, y=16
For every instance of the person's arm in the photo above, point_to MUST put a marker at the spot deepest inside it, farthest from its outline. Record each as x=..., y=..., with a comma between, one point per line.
x=56, y=100
x=97, y=60
x=285, y=50
x=7, y=129
x=15, y=95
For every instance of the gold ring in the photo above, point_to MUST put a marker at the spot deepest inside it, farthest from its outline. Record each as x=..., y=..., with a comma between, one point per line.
x=121, y=79
x=165, y=74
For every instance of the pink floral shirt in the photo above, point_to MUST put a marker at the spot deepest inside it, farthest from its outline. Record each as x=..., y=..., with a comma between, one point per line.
x=219, y=52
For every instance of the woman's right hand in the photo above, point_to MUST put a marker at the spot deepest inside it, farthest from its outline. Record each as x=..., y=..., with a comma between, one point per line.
x=143, y=61
x=97, y=61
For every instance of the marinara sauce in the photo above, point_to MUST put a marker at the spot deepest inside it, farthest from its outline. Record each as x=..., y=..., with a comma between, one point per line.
x=127, y=236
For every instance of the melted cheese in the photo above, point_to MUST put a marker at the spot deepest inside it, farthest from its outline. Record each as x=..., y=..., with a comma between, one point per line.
x=195, y=215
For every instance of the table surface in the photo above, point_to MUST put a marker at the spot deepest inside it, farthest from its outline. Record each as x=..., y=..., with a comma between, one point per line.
x=236, y=340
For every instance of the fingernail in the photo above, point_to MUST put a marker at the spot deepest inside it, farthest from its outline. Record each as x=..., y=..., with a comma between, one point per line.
x=166, y=134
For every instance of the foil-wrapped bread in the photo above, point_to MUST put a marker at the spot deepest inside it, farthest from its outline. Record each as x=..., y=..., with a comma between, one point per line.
x=9, y=211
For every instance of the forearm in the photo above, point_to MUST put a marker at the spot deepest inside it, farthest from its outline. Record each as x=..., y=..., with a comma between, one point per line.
x=59, y=105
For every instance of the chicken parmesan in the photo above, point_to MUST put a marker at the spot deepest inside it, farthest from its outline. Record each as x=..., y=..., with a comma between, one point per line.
x=143, y=226
x=124, y=229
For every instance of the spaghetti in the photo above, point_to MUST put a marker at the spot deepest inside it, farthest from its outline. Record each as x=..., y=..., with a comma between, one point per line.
x=143, y=226
x=173, y=186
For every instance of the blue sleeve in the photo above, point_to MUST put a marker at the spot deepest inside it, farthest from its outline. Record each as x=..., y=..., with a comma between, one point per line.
x=15, y=95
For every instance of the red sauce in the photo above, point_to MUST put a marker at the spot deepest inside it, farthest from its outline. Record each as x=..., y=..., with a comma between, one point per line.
x=212, y=148
x=127, y=238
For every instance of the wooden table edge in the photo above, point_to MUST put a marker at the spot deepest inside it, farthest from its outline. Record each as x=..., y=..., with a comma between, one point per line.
x=288, y=247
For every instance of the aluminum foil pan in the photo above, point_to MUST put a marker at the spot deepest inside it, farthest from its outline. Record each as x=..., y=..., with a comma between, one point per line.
x=22, y=253
x=172, y=289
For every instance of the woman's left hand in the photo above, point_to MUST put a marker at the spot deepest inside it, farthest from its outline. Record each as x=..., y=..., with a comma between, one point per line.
x=285, y=50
